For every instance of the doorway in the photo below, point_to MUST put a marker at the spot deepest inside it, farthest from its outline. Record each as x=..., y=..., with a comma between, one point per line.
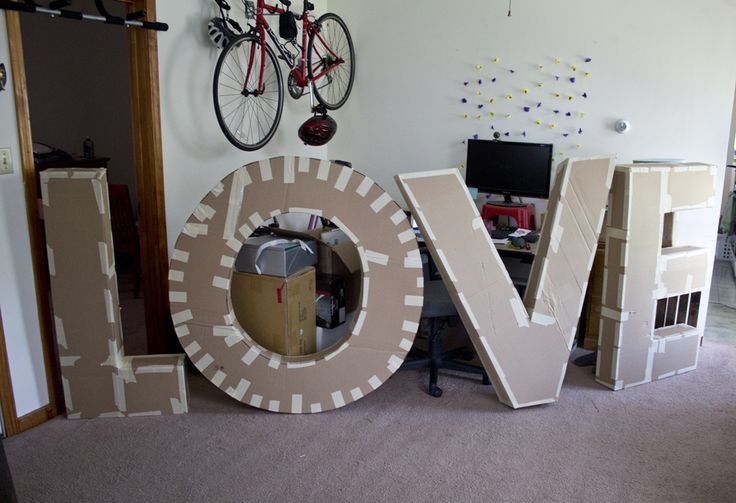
x=143, y=102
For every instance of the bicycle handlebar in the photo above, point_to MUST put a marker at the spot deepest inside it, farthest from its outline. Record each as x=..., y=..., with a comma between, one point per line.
x=223, y=4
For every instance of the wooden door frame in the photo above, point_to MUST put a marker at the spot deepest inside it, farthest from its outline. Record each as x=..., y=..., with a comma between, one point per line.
x=145, y=110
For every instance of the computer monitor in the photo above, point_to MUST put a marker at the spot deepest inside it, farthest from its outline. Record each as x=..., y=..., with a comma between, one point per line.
x=509, y=168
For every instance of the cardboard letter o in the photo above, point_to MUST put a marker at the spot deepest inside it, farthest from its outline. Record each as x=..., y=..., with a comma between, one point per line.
x=384, y=325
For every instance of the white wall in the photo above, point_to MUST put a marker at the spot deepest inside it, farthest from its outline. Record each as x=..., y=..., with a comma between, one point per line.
x=196, y=153
x=667, y=66
x=17, y=293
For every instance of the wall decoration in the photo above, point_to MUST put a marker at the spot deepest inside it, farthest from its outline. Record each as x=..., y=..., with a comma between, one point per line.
x=652, y=314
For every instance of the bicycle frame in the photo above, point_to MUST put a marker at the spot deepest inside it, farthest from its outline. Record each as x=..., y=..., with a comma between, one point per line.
x=301, y=75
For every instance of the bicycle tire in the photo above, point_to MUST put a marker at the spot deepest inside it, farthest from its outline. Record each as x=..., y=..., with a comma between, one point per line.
x=248, y=122
x=333, y=89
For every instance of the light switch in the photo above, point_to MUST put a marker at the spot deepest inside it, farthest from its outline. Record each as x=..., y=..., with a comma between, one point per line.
x=6, y=163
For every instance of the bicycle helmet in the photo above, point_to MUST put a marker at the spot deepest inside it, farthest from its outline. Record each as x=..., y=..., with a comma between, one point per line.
x=318, y=130
x=219, y=32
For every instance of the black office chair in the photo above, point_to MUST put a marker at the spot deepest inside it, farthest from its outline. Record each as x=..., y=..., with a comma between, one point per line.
x=440, y=312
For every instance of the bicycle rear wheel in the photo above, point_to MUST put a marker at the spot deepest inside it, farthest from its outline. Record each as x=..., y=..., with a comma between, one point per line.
x=248, y=116
x=323, y=50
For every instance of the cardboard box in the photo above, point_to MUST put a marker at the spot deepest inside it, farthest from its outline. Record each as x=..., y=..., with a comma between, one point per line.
x=330, y=300
x=98, y=379
x=340, y=259
x=276, y=256
x=278, y=313
x=333, y=237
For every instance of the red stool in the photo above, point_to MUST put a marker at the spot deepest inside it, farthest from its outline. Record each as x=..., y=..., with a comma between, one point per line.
x=523, y=215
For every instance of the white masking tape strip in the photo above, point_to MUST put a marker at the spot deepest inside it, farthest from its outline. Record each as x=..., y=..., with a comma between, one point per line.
x=229, y=318
x=256, y=400
x=118, y=386
x=175, y=275
x=155, y=369
x=50, y=257
x=68, y=361
x=471, y=315
x=410, y=326
x=376, y=257
x=312, y=211
x=181, y=317
x=193, y=229
x=241, y=178
x=413, y=260
x=302, y=164
x=446, y=264
x=256, y=219
x=192, y=348
x=274, y=405
x=244, y=230
x=613, y=233
x=204, y=362
x=428, y=232
x=67, y=393
x=394, y=362
x=289, y=173
x=218, y=378
x=232, y=339
x=218, y=189
x=420, y=282
x=398, y=217
x=407, y=235
x=359, y=322
x=109, y=306
x=566, y=171
x=224, y=331
x=97, y=186
x=381, y=202
x=405, y=344
x=181, y=331
x=264, y=165
x=345, y=229
x=239, y=391
x=45, y=193
x=499, y=369
x=323, y=172
x=296, y=404
x=227, y=261
x=106, y=267
x=612, y=314
x=356, y=393
x=364, y=187
x=478, y=224
x=542, y=319
x=337, y=399
x=275, y=361
x=365, y=292
x=147, y=413
x=178, y=406
x=339, y=350
x=177, y=296
x=427, y=174
x=60, y=334
x=556, y=237
x=180, y=255
x=251, y=355
x=343, y=179
x=203, y=212
x=363, y=260
x=374, y=382
x=300, y=365
x=112, y=414
x=522, y=318
x=220, y=282
x=315, y=408
x=234, y=244
x=274, y=213
x=413, y=300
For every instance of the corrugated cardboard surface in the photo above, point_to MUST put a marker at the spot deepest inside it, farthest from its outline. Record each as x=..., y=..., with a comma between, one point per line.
x=279, y=313
x=525, y=346
x=385, y=323
x=97, y=378
x=639, y=271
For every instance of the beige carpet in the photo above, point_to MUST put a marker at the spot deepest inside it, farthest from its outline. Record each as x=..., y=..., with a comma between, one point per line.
x=674, y=440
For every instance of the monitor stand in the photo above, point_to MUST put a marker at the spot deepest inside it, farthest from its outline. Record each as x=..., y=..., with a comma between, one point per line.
x=507, y=202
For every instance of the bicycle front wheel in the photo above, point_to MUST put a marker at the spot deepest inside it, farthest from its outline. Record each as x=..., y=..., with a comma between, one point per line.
x=332, y=47
x=248, y=113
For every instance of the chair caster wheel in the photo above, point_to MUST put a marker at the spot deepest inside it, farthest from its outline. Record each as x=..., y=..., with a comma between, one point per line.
x=435, y=391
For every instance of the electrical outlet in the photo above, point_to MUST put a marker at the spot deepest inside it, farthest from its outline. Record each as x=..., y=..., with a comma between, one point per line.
x=6, y=164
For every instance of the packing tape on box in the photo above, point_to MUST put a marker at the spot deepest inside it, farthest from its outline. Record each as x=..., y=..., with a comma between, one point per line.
x=382, y=330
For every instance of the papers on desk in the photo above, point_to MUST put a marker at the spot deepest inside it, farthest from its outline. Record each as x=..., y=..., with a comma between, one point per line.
x=517, y=233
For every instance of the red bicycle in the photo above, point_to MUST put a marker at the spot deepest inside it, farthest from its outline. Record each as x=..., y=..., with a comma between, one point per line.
x=248, y=87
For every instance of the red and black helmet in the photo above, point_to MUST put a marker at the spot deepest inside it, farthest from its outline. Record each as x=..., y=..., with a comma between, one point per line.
x=318, y=130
